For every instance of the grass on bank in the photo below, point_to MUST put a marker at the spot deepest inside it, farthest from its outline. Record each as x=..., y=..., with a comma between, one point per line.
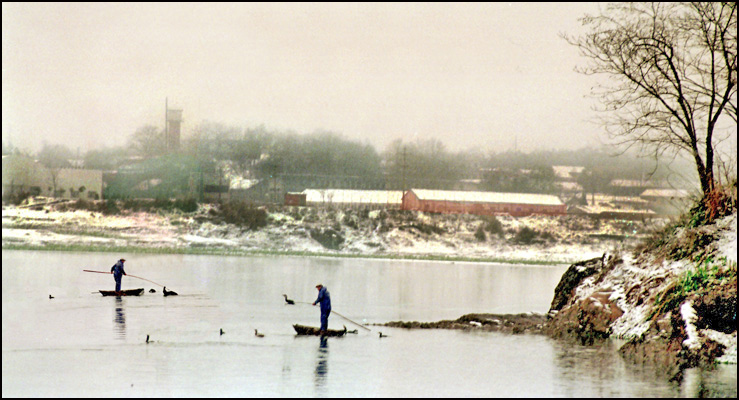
x=707, y=275
x=686, y=240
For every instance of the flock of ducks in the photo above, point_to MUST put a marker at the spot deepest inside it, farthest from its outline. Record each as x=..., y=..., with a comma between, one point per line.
x=221, y=332
x=261, y=335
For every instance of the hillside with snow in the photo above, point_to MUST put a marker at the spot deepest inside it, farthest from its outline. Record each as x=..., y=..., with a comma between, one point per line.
x=377, y=233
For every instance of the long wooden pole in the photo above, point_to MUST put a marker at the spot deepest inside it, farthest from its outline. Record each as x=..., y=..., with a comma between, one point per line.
x=132, y=276
x=355, y=323
x=337, y=313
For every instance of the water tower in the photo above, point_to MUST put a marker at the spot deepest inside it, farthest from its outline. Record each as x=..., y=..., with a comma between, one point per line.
x=172, y=128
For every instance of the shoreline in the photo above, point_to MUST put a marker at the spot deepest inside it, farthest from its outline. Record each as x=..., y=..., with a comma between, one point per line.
x=276, y=253
x=320, y=233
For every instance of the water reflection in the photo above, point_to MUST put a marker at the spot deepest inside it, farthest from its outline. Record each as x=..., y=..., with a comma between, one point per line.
x=46, y=343
x=120, y=319
x=321, y=373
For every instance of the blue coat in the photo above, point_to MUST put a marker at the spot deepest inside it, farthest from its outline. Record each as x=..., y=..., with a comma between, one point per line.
x=325, y=299
x=117, y=270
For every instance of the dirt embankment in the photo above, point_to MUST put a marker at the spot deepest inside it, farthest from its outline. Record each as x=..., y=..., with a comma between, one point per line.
x=507, y=323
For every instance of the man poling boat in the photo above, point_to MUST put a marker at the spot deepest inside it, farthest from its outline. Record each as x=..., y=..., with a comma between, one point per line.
x=118, y=272
x=117, y=275
x=323, y=297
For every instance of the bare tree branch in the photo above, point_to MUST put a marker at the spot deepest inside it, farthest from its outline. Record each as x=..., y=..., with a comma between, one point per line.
x=671, y=75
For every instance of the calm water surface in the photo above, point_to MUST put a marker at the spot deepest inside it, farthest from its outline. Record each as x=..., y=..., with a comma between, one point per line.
x=83, y=344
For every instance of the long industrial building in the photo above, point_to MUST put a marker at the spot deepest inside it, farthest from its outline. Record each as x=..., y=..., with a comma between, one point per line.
x=482, y=203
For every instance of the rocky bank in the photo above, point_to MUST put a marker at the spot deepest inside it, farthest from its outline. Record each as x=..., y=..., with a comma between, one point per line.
x=674, y=304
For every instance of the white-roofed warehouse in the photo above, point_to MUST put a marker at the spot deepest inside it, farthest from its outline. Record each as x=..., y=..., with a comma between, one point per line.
x=483, y=203
x=354, y=198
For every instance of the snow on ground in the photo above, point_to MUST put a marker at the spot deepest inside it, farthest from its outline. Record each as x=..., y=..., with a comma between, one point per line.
x=727, y=243
x=638, y=274
x=574, y=243
x=283, y=233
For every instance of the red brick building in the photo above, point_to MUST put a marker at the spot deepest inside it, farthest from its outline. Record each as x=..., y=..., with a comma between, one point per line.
x=294, y=199
x=482, y=203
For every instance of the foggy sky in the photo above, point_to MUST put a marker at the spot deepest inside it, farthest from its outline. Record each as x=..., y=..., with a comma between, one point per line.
x=484, y=76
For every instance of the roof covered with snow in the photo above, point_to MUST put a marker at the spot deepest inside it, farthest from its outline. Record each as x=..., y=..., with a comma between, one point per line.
x=566, y=171
x=665, y=193
x=487, y=197
x=336, y=196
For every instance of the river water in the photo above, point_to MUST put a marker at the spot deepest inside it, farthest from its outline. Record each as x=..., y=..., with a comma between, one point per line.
x=80, y=344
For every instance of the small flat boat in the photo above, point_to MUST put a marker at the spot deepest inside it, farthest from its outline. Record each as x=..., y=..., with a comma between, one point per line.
x=309, y=330
x=127, y=292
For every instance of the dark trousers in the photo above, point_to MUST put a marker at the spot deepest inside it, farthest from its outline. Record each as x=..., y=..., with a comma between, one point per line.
x=117, y=282
x=324, y=319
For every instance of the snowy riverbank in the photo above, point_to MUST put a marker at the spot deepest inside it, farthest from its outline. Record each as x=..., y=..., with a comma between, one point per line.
x=617, y=293
x=678, y=313
x=292, y=231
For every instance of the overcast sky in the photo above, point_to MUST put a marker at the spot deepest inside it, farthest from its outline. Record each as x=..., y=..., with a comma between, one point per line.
x=484, y=76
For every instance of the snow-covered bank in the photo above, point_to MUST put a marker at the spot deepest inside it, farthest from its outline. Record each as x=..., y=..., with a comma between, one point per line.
x=561, y=239
x=685, y=308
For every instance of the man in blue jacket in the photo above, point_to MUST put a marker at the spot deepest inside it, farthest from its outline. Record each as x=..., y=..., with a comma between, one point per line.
x=325, y=299
x=118, y=273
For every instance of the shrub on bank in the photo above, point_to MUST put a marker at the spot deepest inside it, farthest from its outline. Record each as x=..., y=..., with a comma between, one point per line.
x=493, y=225
x=526, y=235
x=480, y=234
x=241, y=214
x=684, y=238
x=112, y=207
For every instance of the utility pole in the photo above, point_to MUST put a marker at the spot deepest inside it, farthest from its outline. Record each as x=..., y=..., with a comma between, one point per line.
x=166, y=123
x=403, y=166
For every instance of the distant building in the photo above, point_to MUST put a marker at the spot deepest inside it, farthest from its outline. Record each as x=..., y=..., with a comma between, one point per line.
x=295, y=199
x=482, y=203
x=629, y=187
x=567, y=173
x=612, y=213
x=565, y=179
x=23, y=175
x=667, y=201
x=354, y=198
x=173, y=129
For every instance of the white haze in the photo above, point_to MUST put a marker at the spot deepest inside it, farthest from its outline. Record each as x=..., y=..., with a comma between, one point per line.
x=488, y=76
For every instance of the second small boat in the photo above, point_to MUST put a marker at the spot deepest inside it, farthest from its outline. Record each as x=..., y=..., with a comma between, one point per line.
x=312, y=331
x=127, y=292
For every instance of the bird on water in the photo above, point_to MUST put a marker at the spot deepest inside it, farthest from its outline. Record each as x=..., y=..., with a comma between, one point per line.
x=168, y=292
x=222, y=332
x=288, y=301
x=257, y=334
x=382, y=336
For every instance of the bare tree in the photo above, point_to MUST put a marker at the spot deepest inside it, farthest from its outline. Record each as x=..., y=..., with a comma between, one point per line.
x=147, y=141
x=672, y=76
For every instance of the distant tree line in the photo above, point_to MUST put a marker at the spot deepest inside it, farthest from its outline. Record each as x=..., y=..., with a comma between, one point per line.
x=143, y=168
